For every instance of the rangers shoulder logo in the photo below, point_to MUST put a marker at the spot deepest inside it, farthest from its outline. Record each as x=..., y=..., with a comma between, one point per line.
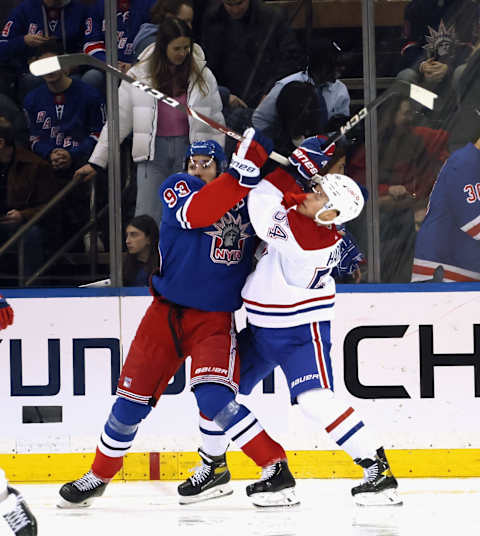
x=228, y=240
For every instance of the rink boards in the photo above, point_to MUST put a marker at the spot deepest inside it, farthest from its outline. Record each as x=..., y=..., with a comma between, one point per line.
x=407, y=357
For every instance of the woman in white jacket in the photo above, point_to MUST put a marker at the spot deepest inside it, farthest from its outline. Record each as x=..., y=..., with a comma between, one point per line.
x=161, y=134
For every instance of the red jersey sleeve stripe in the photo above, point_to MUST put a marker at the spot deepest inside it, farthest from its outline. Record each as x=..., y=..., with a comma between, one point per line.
x=213, y=200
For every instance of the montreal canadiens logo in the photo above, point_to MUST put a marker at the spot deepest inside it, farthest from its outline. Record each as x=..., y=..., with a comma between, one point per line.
x=228, y=240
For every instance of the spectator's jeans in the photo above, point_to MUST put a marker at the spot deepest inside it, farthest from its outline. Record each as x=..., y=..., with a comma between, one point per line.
x=33, y=244
x=169, y=158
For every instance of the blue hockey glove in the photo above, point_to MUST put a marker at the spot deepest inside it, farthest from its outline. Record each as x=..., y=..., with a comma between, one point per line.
x=6, y=313
x=350, y=258
x=249, y=157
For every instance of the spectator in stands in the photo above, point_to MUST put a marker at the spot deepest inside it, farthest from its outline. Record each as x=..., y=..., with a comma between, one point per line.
x=27, y=182
x=131, y=14
x=321, y=71
x=448, y=242
x=182, y=9
x=409, y=160
x=249, y=45
x=419, y=15
x=29, y=25
x=175, y=66
x=66, y=116
x=465, y=124
x=142, y=257
x=439, y=66
x=298, y=116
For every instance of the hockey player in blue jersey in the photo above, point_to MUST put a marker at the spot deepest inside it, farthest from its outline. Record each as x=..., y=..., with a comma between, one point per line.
x=206, y=246
x=447, y=246
x=289, y=300
x=17, y=518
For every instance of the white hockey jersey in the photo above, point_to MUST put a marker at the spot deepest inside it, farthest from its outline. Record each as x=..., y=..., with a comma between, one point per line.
x=291, y=284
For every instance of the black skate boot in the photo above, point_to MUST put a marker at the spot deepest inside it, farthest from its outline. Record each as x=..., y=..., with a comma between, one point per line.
x=379, y=486
x=80, y=493
x=209, y=481
x=17, y=514
x=275, y=488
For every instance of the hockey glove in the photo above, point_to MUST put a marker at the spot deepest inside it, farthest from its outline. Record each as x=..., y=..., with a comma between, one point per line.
x=350, y=258
x=6, y=313
x=249, y=157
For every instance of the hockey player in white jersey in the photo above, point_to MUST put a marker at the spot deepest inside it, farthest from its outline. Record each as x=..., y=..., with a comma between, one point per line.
x=289, y=299
x=15, y=516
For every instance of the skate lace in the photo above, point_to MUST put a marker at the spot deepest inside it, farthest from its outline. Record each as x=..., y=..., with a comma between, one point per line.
x=371, y=473
x=17, y=518
x=268, y=471
x=201, y=474
x=88, y=482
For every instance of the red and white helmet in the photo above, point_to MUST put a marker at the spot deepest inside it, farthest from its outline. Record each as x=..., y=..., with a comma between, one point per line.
x=344, y=195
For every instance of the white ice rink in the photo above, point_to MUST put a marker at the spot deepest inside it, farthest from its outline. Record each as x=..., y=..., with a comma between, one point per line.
x=437, y=507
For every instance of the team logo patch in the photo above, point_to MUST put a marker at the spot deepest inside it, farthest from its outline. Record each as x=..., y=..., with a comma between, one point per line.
x=127, y=382
x=228, y=240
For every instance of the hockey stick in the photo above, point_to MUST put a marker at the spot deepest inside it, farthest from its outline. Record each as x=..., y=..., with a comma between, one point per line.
x=399, y=87
x=67, y=61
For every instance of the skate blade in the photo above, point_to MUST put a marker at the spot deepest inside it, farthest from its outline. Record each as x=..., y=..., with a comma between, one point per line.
x=214, y=493
x=283, y=498
x=388, y=497
x=62, y=503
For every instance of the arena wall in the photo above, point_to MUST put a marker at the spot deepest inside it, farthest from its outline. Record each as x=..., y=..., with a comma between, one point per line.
x=406, y=356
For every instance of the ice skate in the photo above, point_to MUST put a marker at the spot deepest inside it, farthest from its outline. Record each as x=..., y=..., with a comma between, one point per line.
x=17, y=514
x=210, y=480
x=379, y=487
x=275, y=488
x=81, y=493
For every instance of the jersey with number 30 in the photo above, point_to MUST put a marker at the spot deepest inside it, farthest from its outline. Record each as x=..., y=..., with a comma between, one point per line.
x=450, y=234
x=203, y=267
x=291, y=284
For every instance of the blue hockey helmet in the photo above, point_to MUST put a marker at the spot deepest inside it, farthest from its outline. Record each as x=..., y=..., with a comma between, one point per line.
x=208, y=148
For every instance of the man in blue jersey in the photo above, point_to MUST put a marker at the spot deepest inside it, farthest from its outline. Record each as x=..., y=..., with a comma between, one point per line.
x=13, y=508
x=206, y=248
x=447, y=247
x=66, y=116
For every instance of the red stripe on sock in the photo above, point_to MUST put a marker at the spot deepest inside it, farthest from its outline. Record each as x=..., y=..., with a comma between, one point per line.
x=154, y=465
x=340, y=419
x=263, y=450
x=106, y=467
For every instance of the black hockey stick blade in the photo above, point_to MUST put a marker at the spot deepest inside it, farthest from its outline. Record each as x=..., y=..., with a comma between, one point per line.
x=67, y=61
x=399, y=87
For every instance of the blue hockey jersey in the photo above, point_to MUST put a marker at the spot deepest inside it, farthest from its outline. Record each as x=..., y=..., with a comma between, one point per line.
x=67, y=24
x=71, y=120
x=450, y=234
x=204, y=268
x=129, y=19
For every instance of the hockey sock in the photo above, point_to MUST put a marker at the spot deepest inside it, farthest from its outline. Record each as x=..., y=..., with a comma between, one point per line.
x=3, y=486
x=214, y=439
x=117, y=436
x=239, y=424
x=340, y=421
x=242, y=427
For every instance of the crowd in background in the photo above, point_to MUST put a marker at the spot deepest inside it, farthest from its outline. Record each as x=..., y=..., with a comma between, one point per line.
x=241, y=63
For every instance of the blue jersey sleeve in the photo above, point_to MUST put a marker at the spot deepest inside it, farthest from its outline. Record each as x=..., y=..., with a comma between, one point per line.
x=463, y=192
x=176, y=194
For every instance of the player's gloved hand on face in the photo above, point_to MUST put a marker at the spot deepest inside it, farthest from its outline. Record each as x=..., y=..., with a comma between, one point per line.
x=6, y=313
x=350, y=257
x=249, y=157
